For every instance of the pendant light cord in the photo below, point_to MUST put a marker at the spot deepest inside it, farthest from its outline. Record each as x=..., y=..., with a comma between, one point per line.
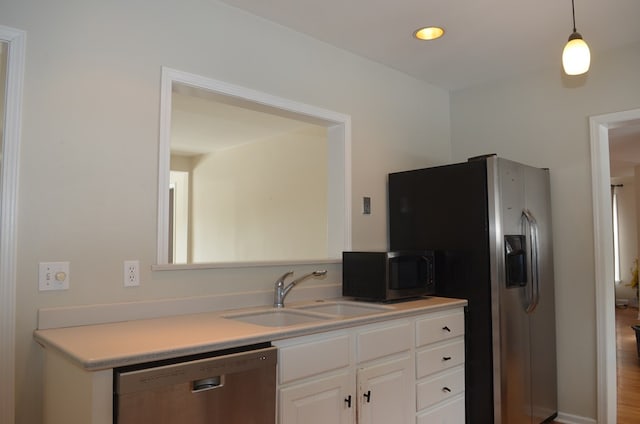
x=573, y=13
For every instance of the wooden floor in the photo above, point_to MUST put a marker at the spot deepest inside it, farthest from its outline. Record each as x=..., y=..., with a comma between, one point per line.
x=628, y=369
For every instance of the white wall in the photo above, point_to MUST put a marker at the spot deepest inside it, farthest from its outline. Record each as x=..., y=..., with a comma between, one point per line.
x=542, y=119
x=88, y=170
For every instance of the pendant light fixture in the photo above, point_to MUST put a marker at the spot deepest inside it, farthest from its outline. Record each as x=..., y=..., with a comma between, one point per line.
x=575, y=56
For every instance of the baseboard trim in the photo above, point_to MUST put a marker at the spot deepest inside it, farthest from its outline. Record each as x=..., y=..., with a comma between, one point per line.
x=574, y=419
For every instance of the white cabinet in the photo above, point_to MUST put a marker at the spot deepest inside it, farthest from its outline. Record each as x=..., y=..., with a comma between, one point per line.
x=439, y=357
x=384, y=339
x=439, y=387
x=312, y=355
x=450, y=412
x=370, y=382
x=439, y=373
x=385, y=372
x=402, y=371
x=384, y=392
x=319, y=401
x=316, y=384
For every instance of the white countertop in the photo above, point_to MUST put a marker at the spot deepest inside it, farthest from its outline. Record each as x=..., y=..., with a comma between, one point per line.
x=103, y=346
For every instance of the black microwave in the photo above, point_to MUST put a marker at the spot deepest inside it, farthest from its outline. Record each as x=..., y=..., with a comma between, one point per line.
x=386, y=276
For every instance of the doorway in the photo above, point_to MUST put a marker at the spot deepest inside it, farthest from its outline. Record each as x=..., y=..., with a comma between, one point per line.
x=13, y=45
x=604, y=264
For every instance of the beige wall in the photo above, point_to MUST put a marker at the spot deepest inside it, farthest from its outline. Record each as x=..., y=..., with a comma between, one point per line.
x=262, y=201
x=539, y=120
x=88, y=169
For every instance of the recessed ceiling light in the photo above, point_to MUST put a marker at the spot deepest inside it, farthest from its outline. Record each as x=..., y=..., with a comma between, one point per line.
x=429, y=33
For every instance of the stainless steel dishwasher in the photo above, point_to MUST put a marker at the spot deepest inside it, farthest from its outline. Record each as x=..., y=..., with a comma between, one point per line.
x=233, y=387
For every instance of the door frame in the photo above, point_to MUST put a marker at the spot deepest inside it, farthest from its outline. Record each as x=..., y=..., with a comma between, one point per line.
x=15, y=40
x=603, y=254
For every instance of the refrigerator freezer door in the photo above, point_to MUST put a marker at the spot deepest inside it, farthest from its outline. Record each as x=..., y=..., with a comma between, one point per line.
x=527, y=372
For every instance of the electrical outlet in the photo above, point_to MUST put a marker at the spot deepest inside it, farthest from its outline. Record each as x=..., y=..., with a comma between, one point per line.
x=131, y=273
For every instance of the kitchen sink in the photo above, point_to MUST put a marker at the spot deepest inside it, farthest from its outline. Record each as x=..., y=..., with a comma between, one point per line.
x=309, y=313
x=277, y=317
x=345, y=309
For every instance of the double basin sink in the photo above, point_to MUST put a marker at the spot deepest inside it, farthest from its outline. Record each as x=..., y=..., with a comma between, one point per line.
x=308, y=313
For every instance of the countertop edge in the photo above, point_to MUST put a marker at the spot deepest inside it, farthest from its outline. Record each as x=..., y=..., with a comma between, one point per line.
x=48, y=340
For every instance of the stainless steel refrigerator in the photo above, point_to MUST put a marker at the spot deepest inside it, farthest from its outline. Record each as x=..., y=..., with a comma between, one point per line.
x=490, y=220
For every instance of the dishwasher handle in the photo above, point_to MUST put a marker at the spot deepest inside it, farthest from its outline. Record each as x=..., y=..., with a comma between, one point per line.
x=210, y=383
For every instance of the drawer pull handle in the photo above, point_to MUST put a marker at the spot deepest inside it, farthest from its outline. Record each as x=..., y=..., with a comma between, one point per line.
x=367, y=396
x=348, y=401
x=446, y=358
x=446, y=389
x=447, y=329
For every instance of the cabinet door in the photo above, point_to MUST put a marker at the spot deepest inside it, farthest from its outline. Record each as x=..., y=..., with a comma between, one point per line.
x=385, y=393
x=321, y=401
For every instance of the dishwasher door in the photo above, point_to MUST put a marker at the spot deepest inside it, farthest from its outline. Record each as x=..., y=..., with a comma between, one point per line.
x=237, y=388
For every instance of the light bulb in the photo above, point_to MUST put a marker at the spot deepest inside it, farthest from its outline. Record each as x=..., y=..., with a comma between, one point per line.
x=576, y=56
x=428, y=33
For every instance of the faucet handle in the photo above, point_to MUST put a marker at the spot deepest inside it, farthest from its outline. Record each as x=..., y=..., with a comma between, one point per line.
x=280, y=281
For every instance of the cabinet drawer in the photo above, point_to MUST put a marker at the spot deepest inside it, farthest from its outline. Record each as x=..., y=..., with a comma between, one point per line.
x=431, y=330
x=439, y=388
x=439, y=358
x=312, y=358
x=379, y=342
x=451, y=412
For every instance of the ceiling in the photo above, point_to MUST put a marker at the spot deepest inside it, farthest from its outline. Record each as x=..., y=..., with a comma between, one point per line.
x=203, y=122
x=484, y=40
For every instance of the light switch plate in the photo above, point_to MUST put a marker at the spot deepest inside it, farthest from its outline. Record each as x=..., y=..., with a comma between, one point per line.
x=366, y=205
x=53, y=276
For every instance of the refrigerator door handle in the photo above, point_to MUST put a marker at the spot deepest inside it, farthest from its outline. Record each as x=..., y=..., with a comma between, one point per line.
x=532, y=225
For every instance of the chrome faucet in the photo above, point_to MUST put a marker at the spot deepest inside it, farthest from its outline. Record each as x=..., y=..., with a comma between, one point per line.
x=281, y=291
